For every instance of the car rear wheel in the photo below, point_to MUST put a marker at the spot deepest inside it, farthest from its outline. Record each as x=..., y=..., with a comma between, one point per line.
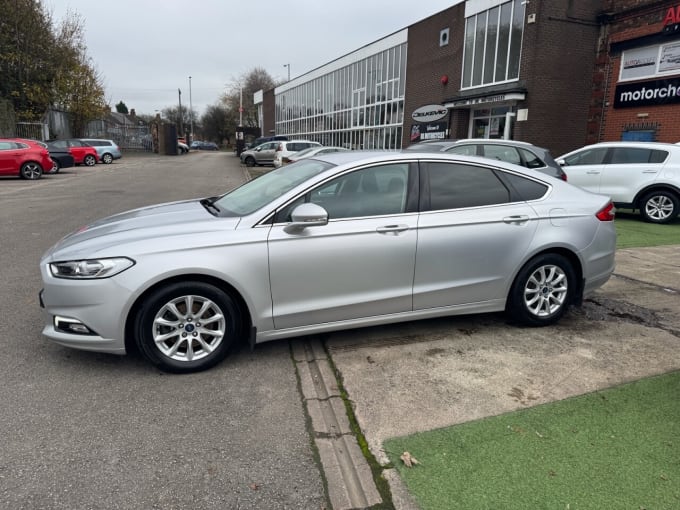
x=107, y=159
x=542, y=291
x=56, y=167
x=250, y=161
x=659, y=207
x=31, y=171
x=90, y=160
x=187, y=327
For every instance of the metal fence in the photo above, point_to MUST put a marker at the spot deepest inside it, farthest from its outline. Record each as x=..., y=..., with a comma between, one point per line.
x=127, y=136
x=33, y=130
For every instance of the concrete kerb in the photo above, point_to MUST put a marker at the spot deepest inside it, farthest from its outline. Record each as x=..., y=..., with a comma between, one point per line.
x=348, y=475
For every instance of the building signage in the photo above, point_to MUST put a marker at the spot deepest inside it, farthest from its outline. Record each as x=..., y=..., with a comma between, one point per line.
x=672, y=16
x=431, y=131
x=500, y=98
x=429, y=113
x=671, y=23
x=655, y=92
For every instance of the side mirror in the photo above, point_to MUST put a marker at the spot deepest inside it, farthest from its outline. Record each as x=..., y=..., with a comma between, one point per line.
x=307, y=215
x=561, y=162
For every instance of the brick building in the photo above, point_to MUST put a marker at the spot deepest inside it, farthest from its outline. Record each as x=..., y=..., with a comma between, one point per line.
x=636, y=84
x=543, y=71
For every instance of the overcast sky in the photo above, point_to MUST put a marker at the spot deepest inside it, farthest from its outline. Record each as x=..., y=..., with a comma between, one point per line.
x=146, y=49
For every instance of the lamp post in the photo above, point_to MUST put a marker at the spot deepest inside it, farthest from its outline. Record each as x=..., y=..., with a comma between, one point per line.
x=288, y=66
x=191, y=112
x=181, y=128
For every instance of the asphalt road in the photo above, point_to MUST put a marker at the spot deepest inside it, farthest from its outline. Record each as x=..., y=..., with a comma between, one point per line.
x=84, y=430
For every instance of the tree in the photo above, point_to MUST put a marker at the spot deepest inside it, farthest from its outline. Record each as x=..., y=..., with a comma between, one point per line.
x=42, y=66
x=246, y=86
x=217, y=123
x=171, y=114
x=122, y=108
x=26, y=64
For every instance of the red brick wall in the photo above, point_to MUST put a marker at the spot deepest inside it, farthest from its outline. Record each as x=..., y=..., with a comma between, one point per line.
x=427, y=62
x=557, y=65
x=268, y=112
x=629, y=20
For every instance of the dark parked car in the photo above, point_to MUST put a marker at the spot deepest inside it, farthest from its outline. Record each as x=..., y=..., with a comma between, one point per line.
x=204, y=146
x=511, y=151
x=62, y=158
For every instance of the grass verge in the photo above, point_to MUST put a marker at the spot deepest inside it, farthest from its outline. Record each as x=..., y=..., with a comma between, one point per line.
x=617, y=448
x=632, y=232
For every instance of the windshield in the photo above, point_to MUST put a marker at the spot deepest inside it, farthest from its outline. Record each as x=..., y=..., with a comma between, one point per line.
x=255, y=194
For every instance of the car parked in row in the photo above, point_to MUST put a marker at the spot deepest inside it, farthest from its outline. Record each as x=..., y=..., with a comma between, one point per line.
x=636, y=175
x=265, y=154
x=61, y=158
x=337, y=241
x=24, y=158
x=204, y=146
x=280, y=159
x=511, y=151
x=107, y=150
x=82, y=152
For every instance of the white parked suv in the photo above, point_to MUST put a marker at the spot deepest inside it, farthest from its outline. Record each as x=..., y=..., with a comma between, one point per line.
x=636, y=175
x=288, y=147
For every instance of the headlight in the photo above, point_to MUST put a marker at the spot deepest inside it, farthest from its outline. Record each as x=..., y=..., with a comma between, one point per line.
x=94, y=268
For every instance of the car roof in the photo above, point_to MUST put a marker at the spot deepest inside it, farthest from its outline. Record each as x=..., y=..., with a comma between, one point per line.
x=371, y=156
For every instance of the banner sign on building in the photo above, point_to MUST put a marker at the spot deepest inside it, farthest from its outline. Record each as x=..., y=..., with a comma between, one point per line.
x=430, y=131
x=430, y=113
x=654, y=92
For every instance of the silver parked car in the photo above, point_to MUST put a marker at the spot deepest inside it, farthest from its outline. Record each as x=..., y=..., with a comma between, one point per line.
x=107, y=150
x=339, y=241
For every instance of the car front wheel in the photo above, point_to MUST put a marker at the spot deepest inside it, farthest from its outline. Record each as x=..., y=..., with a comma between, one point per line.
x=56, y=167
x=107, y=159
x=542, y=291
x=187, y=327
x=31, y=171
x=90, y=160
x=659, y=207
x=250, y=161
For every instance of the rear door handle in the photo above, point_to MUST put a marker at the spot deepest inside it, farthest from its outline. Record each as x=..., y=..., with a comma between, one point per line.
x=520, y=218
x=593, y=172
x=392, y=229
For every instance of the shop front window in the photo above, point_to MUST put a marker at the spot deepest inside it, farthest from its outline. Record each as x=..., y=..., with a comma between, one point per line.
x=488, y=122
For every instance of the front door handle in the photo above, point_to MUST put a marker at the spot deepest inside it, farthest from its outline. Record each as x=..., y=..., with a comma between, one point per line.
x=392, y=229
x=519, y=218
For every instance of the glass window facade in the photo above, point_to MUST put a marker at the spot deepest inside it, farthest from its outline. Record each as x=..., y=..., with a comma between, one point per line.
x=358, y=106
x=493, y=45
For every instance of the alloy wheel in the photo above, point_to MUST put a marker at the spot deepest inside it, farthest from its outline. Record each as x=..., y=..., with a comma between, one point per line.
x=546, y=290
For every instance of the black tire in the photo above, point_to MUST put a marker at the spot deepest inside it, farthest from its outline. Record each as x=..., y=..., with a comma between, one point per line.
x=90, y=160
x=659, y=206
x=250, y=161
x=31, y=171
x=107, y=159
x=182, y=348
x=56, y=167
x=542, y=291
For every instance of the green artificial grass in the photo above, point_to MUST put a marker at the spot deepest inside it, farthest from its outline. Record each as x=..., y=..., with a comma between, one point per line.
x=632, y=232
x=613, y=449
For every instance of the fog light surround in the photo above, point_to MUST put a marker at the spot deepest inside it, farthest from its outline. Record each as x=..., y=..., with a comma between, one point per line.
x=72, y=326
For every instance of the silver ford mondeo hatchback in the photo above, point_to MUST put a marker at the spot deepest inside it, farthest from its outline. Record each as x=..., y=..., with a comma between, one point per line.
x=339, y=241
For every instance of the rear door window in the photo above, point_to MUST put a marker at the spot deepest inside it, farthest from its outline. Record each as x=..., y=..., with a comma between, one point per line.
x=455, y=186
x=637, y=155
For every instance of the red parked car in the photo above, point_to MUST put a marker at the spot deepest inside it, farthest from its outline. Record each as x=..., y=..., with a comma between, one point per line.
x=24, y=158
x=83, y=153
